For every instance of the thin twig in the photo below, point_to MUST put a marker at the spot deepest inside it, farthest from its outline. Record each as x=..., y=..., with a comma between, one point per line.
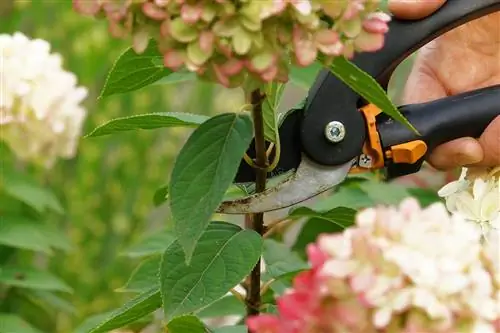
x=271, y=229
x=253, y=299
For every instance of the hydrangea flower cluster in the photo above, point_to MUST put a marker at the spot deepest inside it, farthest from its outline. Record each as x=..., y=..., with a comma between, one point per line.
x=476, y=196
x=224, y=40
x=40, y=112
x=399, y=269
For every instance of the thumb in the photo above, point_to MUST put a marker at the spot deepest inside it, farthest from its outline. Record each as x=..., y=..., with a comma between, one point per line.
x=414, y=9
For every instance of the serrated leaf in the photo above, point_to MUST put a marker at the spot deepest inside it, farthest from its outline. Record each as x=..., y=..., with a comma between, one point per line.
x=224, y=255
x=155, y=243
x=11, y=323
x=225, y=306
x=343, y=217
x=133, y=310
x=280, y=259
x=31, y=235
x=367, y=87
x=27, y=190
x=304, y=77
x=203, y=171
x=29, y=278
x=186, y=324
x=148, y=121
x=133, y=71
x=144, y=276
x=274, y=92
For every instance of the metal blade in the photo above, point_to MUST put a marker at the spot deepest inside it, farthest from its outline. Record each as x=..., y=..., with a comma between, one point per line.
x=310, y=180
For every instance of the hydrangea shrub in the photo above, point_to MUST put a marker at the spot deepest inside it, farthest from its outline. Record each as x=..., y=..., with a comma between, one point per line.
x=367, y=271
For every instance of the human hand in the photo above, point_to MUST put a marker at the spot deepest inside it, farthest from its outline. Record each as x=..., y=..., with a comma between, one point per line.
x=464, y=59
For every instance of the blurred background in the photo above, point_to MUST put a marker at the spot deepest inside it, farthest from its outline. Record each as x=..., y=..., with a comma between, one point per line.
x=107, y=190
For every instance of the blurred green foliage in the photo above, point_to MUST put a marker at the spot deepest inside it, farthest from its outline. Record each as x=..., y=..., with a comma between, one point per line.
x=108, y=189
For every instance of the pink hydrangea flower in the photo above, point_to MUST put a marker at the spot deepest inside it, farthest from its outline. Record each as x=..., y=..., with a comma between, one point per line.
x=399, y=269
x=228, y=42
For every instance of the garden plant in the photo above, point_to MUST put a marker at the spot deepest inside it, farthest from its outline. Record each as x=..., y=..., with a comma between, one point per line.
x=359, y=264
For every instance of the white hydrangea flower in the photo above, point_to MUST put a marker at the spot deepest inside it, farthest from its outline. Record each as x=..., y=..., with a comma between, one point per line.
x=398, y=269
x=476, y=196
x=40, y=113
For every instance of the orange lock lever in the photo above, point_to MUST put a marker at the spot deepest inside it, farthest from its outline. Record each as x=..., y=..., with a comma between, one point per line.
x=374, y=157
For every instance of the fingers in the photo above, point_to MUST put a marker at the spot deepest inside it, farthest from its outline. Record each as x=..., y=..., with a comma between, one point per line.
x=484, y=152
x=414, y=9
x=456, y=153
x=490, y=142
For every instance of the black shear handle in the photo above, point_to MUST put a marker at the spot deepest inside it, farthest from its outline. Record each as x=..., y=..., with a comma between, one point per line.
x=438, y=122
x=331, y=100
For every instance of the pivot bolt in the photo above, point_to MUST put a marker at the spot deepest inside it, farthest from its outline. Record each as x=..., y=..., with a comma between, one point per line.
x=335, y=131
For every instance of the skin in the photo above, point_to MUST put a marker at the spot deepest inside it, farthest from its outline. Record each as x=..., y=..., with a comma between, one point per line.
x=464, y=59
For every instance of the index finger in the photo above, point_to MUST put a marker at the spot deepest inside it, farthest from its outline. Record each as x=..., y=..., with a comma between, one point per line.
x=414, y=9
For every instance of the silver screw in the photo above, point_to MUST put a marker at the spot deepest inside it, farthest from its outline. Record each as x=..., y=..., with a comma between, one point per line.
x=335, y=131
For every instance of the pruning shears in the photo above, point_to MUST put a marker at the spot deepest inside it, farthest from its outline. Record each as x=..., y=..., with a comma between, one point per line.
x=337, y=133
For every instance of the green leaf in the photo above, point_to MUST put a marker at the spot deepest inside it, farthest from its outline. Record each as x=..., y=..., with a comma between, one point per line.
x=186, y=324
x=274, y=92
x=384, y=193
x=343, y=217
x=304, y=77
x=310, y=231
x=10, y=323
x=176, y=77
x=155, y=243
x=424, y=196
x=233, y=192
x=89, y=323
x=366, y=86
x=133, y=71
x=148, y=121
x=231, y=329
x=133, y=310
x=351, y=197
x=280, y=259
x=271, y=308
x=29, y=278
x=161, y=195
x=144, y=276
x=225, y=306
x=27, y=190
x=31, y=235
x=225, y=254
x=203, y=171
x=45, y=298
